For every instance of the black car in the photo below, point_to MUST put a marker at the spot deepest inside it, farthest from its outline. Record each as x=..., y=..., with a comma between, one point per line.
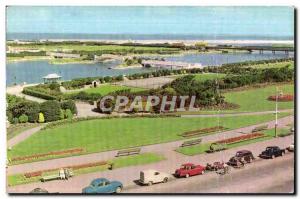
x=241, y=157
x=272, y=152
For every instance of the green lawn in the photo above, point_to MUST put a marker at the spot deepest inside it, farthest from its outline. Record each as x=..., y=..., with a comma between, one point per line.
x=140, y=159
x=255, y=99
x=118, y=133
x=202, y=148
x=208, y=76
x=108, y=88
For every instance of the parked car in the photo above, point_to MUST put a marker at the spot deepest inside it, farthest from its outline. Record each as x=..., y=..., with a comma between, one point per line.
x=241, y=158
x=39, y=191
x=290, y=148
x=149, y=177
x=102, y=185
x=272, y=152
x=189, y=169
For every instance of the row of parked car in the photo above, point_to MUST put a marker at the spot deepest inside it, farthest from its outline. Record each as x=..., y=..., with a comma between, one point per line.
x=149, y=177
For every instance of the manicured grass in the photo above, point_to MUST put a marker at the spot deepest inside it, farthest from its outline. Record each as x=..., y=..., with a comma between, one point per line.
x=16, y=129
x=208, y=76
x=202, y=148
x=107, y=88
x=255, y=99
x=140, y=159
x=118, y=133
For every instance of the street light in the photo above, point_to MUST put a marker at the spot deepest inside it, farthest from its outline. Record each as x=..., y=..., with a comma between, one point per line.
x=276, y=111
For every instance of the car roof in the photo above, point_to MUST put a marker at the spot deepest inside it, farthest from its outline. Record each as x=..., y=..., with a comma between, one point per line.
x=243, y=151
x=187, y=164
x=98, y=180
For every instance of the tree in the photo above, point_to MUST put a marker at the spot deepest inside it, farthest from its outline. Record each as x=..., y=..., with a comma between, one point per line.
x=41, y=118
x=51, y=110
x=23, y=118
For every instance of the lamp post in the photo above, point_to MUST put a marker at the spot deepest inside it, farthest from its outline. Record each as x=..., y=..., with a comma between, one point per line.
x=276, y=111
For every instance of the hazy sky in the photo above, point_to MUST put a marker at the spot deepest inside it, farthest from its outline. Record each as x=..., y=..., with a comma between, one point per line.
x=264, y=21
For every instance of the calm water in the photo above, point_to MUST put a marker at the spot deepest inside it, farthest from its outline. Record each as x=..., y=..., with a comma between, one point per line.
x=33, y=71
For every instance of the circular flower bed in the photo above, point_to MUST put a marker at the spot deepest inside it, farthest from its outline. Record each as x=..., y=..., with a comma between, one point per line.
x=282, y=98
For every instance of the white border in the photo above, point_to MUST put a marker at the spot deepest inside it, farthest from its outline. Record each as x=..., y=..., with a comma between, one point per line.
x=4, y=3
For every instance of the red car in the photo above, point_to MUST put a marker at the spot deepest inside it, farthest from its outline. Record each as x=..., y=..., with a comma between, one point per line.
x=189, y=169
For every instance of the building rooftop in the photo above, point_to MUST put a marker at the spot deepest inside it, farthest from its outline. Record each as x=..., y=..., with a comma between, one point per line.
x=52, y=76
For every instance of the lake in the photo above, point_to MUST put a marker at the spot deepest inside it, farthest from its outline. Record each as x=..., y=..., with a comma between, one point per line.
x=33, y=71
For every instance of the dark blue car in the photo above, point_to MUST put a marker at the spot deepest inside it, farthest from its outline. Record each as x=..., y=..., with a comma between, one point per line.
x=102, y=185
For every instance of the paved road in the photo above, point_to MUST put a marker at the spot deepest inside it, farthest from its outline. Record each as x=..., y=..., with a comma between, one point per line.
x=263, y=176
x=168, y=150
x=129, y=174
x=17, y=90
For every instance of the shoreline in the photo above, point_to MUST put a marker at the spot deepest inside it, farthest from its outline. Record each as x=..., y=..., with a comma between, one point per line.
x=187, y=42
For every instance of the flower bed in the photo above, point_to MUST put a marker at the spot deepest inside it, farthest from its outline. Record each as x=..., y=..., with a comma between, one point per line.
x=282, y=98
x=76, y=167
x=241, y=138
x=37, y=156
x=202, y=131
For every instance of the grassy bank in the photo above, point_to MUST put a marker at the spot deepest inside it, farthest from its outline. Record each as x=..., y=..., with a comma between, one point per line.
x=202, y=148
x=145, y=158
x=111, y=134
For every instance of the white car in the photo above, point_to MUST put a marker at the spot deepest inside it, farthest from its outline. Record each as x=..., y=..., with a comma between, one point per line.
x=149, y=177
x=290, y=148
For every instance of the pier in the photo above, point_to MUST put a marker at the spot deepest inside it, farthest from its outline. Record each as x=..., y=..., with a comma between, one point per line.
x=261, y=49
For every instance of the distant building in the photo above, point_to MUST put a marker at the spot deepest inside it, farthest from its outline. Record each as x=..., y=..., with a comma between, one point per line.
x=51, y=78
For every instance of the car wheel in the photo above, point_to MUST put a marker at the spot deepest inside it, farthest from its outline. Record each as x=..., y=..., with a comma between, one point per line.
x=165, y=180
x=118, y=189
x=150, y=183
x=187, y=175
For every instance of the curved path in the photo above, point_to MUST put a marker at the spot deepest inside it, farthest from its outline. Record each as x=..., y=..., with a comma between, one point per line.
x=168, y=150
x=23, y=136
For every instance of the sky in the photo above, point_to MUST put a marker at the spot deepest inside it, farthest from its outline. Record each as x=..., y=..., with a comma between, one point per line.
x=264, y=21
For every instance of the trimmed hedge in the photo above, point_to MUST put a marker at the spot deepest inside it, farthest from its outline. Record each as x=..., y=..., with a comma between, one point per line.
x=32, y=92
x=51, y=110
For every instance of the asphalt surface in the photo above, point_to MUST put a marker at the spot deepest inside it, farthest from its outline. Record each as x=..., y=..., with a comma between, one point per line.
x=261, y=176
x=129, y=175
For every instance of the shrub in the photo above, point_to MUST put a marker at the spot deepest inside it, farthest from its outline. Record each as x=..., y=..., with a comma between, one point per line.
x=15, y=120
x=23, y=118
x=41, y=118
x=68, y=114
x=69, y=104
x=31, y=109
x=62, y=114
x=51, y=110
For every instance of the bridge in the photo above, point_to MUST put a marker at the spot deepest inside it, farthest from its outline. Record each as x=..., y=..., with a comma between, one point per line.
x=170, y=64
x=261, y=49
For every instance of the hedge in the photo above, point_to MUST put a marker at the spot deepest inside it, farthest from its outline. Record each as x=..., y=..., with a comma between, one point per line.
x=38, y=94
